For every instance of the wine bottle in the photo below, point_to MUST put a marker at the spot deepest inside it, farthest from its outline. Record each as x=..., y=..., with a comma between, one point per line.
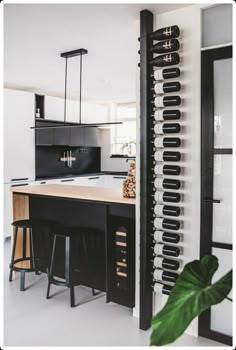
x=166, y=114
x=167, y=183
x=171, y=197
x=166, y=33
x=166, y=73
x=165, y=46
x=166, y=263
x=166, y=101
x=166, y=237
x=121, y=269
x=160, y=209
x=169, y=250
x=167, y=156
x=161, y=169
x=164, y=128
x=165, y=276
x=162, y=288
x=168, y=224
x=161, y=142
x=169, y=59
x=161, y=88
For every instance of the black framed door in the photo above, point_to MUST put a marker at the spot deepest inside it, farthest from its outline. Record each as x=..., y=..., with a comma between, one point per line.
x=216, y=180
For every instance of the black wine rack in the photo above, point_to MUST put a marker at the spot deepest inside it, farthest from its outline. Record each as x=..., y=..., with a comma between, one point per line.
x=160, y=108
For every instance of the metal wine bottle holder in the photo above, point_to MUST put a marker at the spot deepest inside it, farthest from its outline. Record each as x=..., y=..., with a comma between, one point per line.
x=151, y=154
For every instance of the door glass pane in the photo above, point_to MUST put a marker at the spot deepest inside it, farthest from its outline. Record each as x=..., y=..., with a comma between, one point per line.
x=221, y=314
x=222, y=189
x=217, y=25
x=223, y=103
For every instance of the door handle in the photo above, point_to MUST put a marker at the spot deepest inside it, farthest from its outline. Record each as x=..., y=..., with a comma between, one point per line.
x=209, y=200
x=20, y=179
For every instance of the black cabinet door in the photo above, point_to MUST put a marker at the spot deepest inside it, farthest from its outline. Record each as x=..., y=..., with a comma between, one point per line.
x=77, y=136
x=91, y=137
x=61, y=136
x=43, y=136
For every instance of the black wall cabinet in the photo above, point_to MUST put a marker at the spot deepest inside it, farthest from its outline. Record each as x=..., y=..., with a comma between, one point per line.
x=61, y=136
x=44, y=136
x=77, y=136
x=91, y=137
x=66, y=136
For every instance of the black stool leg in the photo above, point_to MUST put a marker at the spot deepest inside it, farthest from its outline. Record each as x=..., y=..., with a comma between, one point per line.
x=22, y=281
x=22, y=273
x=72, y=296
x=13, y=252
x=24, y=243
x=51, y=266
x=68, y=271
x=32, y=261
x=87, y=261
x=34, y=265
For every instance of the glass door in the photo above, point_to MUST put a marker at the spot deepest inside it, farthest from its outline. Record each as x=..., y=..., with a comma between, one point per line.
x=216, y=181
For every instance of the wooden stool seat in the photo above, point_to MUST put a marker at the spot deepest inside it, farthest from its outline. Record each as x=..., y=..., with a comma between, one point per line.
x=23, y=223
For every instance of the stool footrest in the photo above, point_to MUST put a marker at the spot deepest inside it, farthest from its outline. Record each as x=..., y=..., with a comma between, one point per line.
x=19, y=269
x=61, y=283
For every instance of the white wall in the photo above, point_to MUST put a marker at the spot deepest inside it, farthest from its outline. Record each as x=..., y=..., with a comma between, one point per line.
x=189, y=21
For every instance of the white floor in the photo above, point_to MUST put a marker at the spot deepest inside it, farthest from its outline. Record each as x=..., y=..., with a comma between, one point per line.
x=31, y=320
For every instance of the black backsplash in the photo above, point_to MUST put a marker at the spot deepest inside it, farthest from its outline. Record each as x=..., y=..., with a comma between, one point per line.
x=48, y=164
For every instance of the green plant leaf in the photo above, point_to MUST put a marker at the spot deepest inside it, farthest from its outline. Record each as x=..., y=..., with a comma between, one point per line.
x=192, y=294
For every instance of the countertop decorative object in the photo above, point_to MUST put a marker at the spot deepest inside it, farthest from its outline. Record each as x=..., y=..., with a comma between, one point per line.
x=129, y=185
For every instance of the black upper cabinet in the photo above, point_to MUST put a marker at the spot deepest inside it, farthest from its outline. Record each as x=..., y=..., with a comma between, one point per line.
x=91, y=137
x=74, y=136
x=61, y=136
x=44, y=136
x=77, y=136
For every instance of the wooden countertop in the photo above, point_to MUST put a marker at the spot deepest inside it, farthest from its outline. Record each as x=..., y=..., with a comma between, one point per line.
x=98, y=194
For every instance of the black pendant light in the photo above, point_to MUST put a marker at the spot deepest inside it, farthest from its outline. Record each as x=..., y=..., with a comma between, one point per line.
x=66, y=55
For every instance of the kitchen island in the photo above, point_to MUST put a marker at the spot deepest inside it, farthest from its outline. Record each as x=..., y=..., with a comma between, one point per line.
x=104, y=209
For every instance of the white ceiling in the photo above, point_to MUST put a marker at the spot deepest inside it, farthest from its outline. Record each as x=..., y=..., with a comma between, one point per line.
x=36, y=34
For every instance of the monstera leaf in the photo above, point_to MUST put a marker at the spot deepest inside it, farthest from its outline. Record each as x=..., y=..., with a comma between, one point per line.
x=192, y=294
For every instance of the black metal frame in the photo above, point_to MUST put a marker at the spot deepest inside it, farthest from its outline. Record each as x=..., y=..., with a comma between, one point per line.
x=207, y=157
x=146, y=205
x=66, y=55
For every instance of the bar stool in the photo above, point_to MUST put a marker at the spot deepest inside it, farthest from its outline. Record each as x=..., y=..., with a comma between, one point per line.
x=70, y=234
x=36, y=263
x=24, y=225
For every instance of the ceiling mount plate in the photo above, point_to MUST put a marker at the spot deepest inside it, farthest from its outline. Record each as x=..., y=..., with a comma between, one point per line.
x=74, y=53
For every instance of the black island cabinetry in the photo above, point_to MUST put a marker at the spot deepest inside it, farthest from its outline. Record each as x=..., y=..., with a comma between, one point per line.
x=112, y=250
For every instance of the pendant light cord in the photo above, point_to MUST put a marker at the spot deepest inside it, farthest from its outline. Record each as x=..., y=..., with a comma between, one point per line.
x=80, y=89
x=65, y=93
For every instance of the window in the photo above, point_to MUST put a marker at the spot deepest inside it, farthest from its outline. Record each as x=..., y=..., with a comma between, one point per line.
x=123, y=136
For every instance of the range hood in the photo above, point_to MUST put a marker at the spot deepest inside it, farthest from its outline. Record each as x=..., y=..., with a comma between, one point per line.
x=66, y=55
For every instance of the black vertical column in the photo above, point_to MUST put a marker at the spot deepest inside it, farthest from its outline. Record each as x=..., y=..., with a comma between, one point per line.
x=146, y=207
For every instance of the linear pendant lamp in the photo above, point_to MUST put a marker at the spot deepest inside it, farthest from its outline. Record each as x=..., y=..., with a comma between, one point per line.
x=66, y=55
